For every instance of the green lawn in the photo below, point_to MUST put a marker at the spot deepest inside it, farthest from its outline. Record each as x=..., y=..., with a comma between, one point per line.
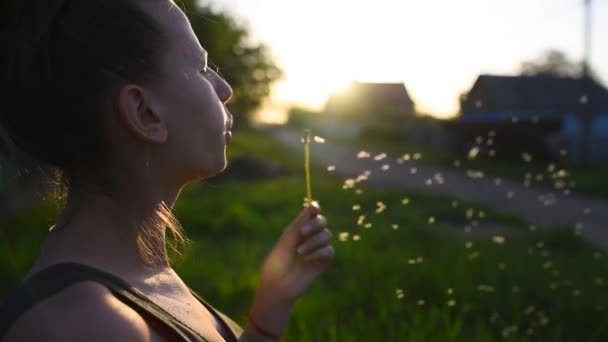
x=414, y=283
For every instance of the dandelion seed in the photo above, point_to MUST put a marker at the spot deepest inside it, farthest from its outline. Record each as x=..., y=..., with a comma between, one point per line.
x=456, y=163
x=356, y=207
x=406, y=157
x=527, y=157
x=490, y=142
x=331, y=168
x=380, y=207
x=356, y=237
x=547, y=265
x=544, y=321
x=367, y=225
x=400, y=161
x=449, y=291
x=475, y=174
x=360, y=220
x=540, y=177
x=399, y=293
x=439, y=178
x=395, y=226
x=363, y=155
x=429, y=182
x=451, y=302
x=482, y=214
x=515, y=289
x=563, y=153
x=380, y=156
x=599, y=281
x=405, y=201
x=485, y=288
x=348, y=184
x=553, y=286
x=515, y=119
x=492, y=153
x=576, y=293
x=455, y=204
x=420, y=302
x=473, y=152
x=470, y=213
x=469, y=244
x=479, y=140
x=358, y=191
x=474, y=255
x=419, y=260
x=385, y=167
x=467, y=229
x=417, y=156
x=431, y=220
x=502, y=266
x=412, y=261
x=344, y=236
x=413, y=170
x=510, y=194
x=529, y=331
x=508, y=331
x=319, y=140
x=494, y=317
x=583, y=99
x=498, y=181
x=532, y=228
x=498, y=239
x=492, y=133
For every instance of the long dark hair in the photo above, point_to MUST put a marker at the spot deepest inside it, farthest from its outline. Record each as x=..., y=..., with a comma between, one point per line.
x=61, y=62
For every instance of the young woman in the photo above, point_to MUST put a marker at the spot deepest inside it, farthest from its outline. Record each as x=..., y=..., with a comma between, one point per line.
x=117, y=95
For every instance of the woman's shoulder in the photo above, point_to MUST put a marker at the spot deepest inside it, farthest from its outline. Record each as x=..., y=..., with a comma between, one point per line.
x=80, y=312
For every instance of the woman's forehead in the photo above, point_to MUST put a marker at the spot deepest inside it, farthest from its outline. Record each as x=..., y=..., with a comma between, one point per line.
x=182, y=37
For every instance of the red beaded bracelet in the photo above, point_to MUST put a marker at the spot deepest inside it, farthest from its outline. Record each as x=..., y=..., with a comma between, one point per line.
x=262, y=331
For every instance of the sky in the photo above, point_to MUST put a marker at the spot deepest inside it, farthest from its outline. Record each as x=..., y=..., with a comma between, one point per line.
x=437, y=48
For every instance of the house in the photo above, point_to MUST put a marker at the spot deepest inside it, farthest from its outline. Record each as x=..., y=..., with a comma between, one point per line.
x=381, y=108
x=548, y=116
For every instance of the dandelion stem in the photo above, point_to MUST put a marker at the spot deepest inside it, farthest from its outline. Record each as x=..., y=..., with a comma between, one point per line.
x=307, y=166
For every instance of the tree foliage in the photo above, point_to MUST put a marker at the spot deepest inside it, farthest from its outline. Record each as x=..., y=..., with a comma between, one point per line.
x=248, y=67
x=552, y=63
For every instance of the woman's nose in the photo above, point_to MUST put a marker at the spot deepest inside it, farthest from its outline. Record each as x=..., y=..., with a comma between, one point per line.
x=223, y=89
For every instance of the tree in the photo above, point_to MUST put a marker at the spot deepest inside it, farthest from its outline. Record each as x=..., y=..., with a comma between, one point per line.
x=248, y=67
x=552, y=63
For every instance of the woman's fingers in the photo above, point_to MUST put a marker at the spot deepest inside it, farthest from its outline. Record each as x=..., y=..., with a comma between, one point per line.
x=316, y=241
x=322, y=254
x=314, y=225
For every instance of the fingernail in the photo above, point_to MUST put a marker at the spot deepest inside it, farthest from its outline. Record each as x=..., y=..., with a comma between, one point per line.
x=306, y=229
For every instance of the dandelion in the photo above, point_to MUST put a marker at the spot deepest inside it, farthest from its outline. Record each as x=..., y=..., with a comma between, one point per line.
x=319, y=140
x=356, y=207
x=419, y=260
x=469, y=244
x=413, y=170
x=439, y=178
x=358, y=191
x=449, y=291
x=563, y=153
x=343, y=236
x=367, y=225
x=576, y=293
x=479, y=140
x=385, y=167
x=583, y=99
x=515, y=289
x=451, y=302
x=331, y=168
x=406, y=157
x=417, y=156
x=431, y=220
x=363, y=155
x=429, y=182
x=547, y=265
x=492, y=134
x=475, y=174
x=420, y=302
x=587, y=211
x=492, y=153
x=405, y=201
x=485, y=288
x=473, y=255
x=498, y=181
x=502, y=266
x=510, y=194
x=457, y=163
x=470, y=213
x=356, y=237
x=395, y=226
x=455, y=204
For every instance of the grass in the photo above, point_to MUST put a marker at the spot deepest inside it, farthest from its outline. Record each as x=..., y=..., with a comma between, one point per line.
x=413, y=283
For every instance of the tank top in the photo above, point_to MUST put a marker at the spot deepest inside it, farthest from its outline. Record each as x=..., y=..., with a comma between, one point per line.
x=55, y=278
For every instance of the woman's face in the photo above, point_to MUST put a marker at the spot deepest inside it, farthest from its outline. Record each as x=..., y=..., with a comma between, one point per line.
x=192, y=98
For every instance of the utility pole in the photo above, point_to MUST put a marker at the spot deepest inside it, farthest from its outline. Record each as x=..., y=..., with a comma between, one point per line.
x=585, y=99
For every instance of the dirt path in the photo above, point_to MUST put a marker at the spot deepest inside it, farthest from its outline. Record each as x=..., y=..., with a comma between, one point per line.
x=537, y=205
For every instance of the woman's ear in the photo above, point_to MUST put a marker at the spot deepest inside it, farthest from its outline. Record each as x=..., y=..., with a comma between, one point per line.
x=140, y=116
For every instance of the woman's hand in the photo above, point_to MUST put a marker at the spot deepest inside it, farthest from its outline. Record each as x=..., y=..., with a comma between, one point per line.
x=302, y=253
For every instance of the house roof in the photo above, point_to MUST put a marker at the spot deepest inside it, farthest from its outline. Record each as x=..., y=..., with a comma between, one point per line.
x=534, y=93
x=362, y=96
